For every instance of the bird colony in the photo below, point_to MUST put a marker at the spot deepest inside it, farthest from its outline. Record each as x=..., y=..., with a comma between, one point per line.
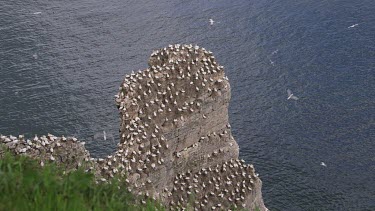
x=175, y=144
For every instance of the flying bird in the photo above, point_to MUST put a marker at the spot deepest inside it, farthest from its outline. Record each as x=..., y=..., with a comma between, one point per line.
x=103, y=136
x=291, y=96
x=273, y=64
x=323, y=164
x=212, y=21
x=37, y=13
x=352, y=26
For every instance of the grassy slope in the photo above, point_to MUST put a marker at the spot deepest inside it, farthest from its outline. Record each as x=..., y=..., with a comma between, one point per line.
x=24, y=185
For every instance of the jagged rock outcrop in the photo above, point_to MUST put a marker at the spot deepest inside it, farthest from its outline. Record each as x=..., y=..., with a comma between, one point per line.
x=66, y=152
x=175, y=140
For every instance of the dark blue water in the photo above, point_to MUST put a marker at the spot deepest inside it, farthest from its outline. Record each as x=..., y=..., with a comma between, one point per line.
x=60, y=69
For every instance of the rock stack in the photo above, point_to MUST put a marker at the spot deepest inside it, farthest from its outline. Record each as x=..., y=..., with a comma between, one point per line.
x=175, y=140
x=175, y=131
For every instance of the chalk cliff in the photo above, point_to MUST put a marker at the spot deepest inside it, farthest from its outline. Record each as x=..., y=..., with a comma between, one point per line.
x=175, y=140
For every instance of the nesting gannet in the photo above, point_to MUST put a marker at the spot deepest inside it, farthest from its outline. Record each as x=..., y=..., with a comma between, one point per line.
x=291, y=96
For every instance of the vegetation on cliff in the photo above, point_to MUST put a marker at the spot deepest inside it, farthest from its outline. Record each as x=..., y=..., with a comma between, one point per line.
x=25, y=185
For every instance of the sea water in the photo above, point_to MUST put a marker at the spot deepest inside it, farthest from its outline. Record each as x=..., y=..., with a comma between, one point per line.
x=61, y=63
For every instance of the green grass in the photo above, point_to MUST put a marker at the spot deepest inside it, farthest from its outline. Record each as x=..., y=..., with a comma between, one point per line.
x=24, y=185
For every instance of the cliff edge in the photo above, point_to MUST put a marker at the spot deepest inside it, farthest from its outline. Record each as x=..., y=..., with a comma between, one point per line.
x=175, y=139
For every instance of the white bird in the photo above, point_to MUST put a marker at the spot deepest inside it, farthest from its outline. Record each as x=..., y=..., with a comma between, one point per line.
x=37, y=13
x=352, y=26
x=323, y=164
x=291, y=96
x=100, y=136
x=212, y=22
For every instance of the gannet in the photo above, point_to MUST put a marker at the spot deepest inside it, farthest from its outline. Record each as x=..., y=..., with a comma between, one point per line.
x=291, y=96
x=352, y=26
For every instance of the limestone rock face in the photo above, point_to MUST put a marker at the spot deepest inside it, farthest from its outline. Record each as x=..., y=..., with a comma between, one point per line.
x=175, y=140
x=176, y=133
